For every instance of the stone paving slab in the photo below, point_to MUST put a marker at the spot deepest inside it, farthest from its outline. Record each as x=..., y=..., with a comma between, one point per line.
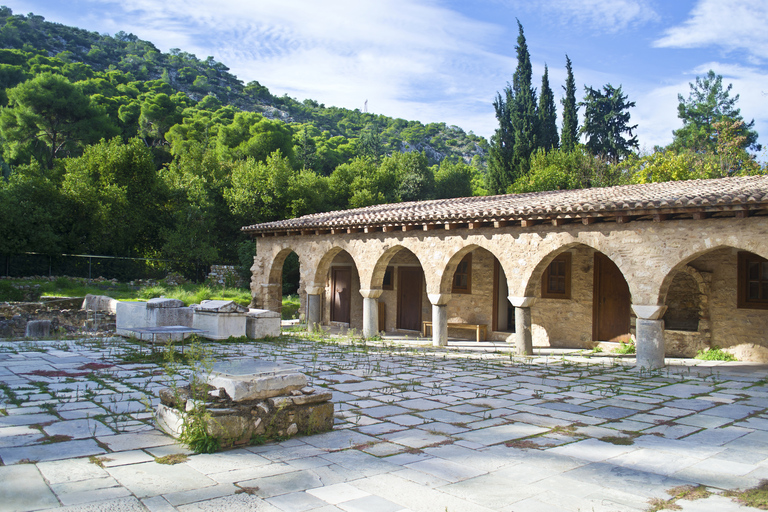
x=23, y=488
x=417, y=429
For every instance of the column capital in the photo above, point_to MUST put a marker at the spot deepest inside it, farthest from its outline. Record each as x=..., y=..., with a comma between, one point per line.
x=439, y=299
x=649, y=311
x=270, y=286
x=373, y=293
x=314, y=290
x=521, y=302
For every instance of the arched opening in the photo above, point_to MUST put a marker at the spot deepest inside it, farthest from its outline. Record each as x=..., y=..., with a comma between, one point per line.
x=283, y=290
x=718, y=298
x=403, y=304
x=582, y=299
x=503, y=321
x=342, y=302
x=477, y=285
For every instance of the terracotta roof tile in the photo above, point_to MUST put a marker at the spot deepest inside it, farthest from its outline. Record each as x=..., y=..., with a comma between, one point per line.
x=717, y=194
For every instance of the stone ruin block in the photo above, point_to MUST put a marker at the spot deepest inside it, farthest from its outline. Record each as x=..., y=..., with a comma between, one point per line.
x=100, y=303
x=38, y=329
x=261, y=323
x=272, y=401
x=220, y=318
x=158, y=312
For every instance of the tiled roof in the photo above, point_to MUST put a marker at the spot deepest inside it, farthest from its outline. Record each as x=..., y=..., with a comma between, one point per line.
x=674, y=197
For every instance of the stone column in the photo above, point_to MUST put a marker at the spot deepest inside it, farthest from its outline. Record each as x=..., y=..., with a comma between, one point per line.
x=439, y=318
x=649, y=336
x=272, y=297
x=314, y=316
x=371, y=312
x=523, y=334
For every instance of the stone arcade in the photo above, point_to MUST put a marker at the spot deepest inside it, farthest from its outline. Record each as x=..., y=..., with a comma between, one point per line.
x=680, y=266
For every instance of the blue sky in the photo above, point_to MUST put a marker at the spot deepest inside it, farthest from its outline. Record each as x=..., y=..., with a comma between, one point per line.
x=444, y=60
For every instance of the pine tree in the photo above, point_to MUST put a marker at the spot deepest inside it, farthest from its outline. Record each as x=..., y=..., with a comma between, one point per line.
x=523, y=109
x=548, y=138
x=606, y=120
x=499, y=175
x=570, y=133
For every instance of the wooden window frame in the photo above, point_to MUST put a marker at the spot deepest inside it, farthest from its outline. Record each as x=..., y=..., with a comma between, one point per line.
x=546, y=292
x=468, y=273
x=744, y=259
x=390, y=271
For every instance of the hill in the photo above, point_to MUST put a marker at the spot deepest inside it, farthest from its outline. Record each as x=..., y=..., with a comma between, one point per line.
x=141, y=61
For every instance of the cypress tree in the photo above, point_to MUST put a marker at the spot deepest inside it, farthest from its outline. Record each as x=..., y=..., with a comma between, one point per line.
x=523, y=110
x=548, y=138
x=499, y=175
x=570, y=133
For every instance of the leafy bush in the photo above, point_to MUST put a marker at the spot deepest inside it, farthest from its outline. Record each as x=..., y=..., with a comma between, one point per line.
x=9, y=293
x=625, y=348
x=291, y=304
x=715, y=353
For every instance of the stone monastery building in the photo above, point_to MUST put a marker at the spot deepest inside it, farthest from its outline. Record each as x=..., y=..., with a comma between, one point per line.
x=680, y=266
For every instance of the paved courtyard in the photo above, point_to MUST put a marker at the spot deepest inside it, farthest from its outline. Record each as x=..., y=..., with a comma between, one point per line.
x=463, y=429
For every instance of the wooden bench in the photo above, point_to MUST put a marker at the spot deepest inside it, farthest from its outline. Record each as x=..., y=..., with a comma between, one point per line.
x=478, y=328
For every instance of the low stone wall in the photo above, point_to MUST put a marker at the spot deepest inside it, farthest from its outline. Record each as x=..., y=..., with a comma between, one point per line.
x=226, y=275
x=65, y=315
x=249, y=421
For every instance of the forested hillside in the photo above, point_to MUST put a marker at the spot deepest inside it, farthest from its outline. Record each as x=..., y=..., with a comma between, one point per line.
x=112, y=147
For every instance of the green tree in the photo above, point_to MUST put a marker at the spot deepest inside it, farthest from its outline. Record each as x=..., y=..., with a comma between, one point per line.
x=559, y=169
x=707, y=104
x=453, y=179
x=34, y=212
x=606, y=120
x=115, y=197
x=158, y=113
x=501, y=153
x=415, y=180
x=548, y=138
x=202, y=229
x=570, y=132
x=261, y=190
x=370, y=145
x=525, y=120
x=49, y=117
x=251, y=135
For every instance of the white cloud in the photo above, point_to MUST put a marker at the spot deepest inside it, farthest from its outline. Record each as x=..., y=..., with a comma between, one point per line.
x=603, y=15
x=729, y=24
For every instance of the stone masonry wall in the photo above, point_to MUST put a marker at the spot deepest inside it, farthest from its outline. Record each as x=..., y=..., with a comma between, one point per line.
x=563, y=322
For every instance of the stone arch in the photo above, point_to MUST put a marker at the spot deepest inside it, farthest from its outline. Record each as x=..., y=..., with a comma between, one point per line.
x=275, y=274
x=446, y=274
x=337, y=279
x=683, y=262
x=698, y=281
x=324, y=265
x=531, y=284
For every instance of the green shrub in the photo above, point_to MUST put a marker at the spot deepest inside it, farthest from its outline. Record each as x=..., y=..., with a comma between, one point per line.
x=10, y=294
x=291, y=305
x=625, y=348
x=715, y=353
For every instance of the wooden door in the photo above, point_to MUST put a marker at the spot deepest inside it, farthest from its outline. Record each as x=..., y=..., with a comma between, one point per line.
x=611, y=302
x=409, y=289
x=341, y=295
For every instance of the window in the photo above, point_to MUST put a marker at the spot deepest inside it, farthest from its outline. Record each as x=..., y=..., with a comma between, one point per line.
x=556, y=281
x=388, y=283
x=462, y=278
x=753, y=281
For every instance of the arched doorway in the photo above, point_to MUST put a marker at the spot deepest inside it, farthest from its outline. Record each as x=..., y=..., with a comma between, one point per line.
x=343, y=304
x=611, y=302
